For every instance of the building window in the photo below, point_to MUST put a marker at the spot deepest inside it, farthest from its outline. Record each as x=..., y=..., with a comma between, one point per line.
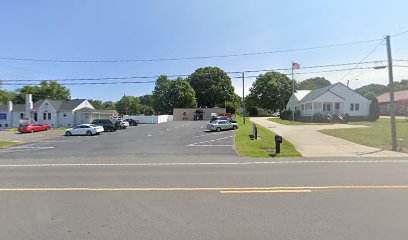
x=65, y=114
x=337, y=106
x=357, y=106
x=35, y=116
x=49, y=116
x=351, y=106
x=45, y=116
x=21, y=115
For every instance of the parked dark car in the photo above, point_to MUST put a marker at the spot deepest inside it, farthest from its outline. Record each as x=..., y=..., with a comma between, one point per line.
x=108, y=125
x=132, y=122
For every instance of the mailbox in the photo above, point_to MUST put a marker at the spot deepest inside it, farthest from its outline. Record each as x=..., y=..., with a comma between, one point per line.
x=278, y=141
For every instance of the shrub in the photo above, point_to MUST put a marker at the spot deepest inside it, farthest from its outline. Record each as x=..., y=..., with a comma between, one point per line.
x=374, y=110
x=286, y=114
x=252, y=111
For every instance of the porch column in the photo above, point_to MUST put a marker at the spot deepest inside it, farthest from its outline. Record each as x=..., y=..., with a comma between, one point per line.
x=332, y=107
x=312, y=112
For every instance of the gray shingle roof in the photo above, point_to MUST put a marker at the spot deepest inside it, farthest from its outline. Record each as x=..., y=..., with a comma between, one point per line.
x=16, y=108
x=65, y=105
x=91, y=110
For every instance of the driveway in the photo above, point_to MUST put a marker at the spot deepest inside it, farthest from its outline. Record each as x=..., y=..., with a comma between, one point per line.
x=144, y=143
x=311, y=143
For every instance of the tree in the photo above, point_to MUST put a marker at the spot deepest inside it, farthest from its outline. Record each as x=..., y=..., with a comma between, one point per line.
x=374, y=110
x=47, y=90
x=313, y=83
x=97, y=104
x=169, y=94
x=128, y=105
x=108, y=105
x=270, y=91
x=146, y=100
x=371, y=90
x=212, y=86
x=6, y=96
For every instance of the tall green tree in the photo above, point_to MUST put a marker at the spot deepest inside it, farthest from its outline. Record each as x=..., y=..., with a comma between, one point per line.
x=146, y=100
x=6, y=96
x=46, y=90
x=97, y=104
x=128, y=105
x=213, y=87
x=270, y=91
x=108, y=105
x=372, y=90
x=313, y=83
x=169, y=94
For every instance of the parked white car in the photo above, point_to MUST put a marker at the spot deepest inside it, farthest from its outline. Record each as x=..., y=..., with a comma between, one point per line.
x=84, y=129
x=126, y=123
x=219, y=125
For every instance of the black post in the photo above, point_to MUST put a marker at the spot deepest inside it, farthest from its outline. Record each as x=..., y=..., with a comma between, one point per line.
x=255, y=131
x=278, y=141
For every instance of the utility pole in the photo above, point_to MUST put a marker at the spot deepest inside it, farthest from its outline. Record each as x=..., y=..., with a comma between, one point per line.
x=243, y=94
x=293, y=97
x=391, y=87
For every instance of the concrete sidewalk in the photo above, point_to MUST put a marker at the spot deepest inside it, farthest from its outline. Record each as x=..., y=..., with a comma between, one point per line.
x=311, y=143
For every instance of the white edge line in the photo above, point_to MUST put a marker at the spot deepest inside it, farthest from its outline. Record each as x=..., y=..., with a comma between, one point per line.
x=192, y=164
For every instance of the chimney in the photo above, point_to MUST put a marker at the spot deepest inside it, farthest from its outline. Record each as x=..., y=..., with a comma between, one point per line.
x=28, y=105
x=9, y=106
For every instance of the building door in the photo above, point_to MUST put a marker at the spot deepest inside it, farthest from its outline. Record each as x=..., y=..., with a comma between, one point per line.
x=326, y=107
x=199, y=115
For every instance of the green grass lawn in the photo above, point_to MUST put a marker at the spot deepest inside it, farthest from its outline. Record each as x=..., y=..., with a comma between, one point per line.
x=5, y=144
x=287, y=122
x=263, y=147
x=378, y=134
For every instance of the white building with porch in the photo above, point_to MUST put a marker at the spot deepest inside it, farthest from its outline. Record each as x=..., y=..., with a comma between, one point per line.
x=333, y=99
x=55, y=113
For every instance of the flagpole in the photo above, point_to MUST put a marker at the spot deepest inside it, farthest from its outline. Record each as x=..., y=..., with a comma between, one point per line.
x=293, y=95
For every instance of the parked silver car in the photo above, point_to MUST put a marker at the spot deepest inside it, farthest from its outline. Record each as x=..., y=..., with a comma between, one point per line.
x=219, y=125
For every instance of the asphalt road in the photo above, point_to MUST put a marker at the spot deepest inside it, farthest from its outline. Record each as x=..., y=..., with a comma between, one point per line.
x=168, y=189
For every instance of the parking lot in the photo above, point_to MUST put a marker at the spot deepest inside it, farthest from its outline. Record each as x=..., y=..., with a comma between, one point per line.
x=163, y=142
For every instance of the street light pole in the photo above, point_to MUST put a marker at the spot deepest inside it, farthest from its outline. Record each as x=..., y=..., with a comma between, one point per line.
x=293, y=97
x=391, y=88
x=243, y=94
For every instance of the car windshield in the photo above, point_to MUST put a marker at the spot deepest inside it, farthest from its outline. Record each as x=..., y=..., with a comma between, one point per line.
x=204, y=119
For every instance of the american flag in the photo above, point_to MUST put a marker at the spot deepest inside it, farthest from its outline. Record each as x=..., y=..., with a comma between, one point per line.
x=295, y=65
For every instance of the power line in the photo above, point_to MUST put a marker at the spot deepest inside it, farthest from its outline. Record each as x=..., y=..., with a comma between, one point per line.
x=362, y=60
x=153, y=81
x=186, y=75
x=399, y=34
x=186, y=58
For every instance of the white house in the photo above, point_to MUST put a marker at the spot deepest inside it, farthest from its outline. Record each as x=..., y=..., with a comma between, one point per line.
x=333, y=99
x=56, y=113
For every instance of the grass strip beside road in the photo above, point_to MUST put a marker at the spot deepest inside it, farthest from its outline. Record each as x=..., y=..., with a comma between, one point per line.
x=377, y=135
x=264, y=147
x=287, y=122
x=5, y=144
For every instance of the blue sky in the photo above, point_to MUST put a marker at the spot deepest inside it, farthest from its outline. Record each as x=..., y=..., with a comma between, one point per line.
x=104, y=30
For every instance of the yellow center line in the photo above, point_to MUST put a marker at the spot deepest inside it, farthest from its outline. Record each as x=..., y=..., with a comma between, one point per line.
x=269, y=191
x=229, y=189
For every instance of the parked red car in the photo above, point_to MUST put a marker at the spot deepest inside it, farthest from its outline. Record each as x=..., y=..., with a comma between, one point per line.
x=31, y=128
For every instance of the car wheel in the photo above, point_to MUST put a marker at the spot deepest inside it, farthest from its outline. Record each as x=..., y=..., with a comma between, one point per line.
x=48, y=128
x=68, y=133
x=218, y=129
x=234, y=127
x=88, y=133
x=32, y=131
